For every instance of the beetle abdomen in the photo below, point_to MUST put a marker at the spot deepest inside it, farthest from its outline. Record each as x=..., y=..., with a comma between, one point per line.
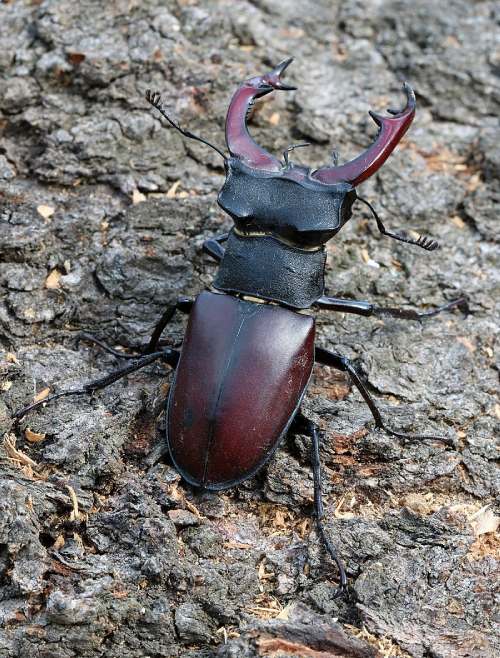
x=243, y=371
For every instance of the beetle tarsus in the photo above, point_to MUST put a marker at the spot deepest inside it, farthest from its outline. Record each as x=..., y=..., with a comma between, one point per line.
x=110, y=350
x=342, y=590
x=410, y=437
x=410, y=314
x=368, y=309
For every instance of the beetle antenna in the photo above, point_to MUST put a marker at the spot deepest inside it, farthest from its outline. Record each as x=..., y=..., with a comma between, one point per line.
x=154, y=98
x=292, y=147
x=421, y=241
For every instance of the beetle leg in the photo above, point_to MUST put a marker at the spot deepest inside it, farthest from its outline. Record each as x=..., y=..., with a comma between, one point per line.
x=340, y=362
x=110, y=350
x=312, y=430
x=213, y=247
x=169, y=355
x=368, y=309
x=183, y=304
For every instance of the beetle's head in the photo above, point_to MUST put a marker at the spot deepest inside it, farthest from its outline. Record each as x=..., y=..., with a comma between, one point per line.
x=268, y=82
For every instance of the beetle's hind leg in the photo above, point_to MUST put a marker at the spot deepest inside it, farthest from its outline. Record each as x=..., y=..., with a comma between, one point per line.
x=167, y=355
x=303, y=424
x=340, y=362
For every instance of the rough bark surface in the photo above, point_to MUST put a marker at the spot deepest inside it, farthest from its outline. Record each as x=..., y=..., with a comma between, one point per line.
x=103, y=550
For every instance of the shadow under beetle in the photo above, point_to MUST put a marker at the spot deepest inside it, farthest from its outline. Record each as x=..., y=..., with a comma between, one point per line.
x=248, y=352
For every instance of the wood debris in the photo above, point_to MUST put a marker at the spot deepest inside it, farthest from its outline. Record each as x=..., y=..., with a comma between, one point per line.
x=45, y=211
x=34, y=437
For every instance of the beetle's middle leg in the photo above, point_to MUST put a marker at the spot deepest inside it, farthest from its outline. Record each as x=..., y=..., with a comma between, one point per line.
x=369, y=309
x=183, y=304
x=303, y=424
x=168, y=355
x=340, y=362
x=213, y=248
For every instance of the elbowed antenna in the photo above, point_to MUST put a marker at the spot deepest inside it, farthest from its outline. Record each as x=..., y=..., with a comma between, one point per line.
x=239, y=142
x=289, y=149
x=391, y=131
x=420, y=241
x=154, y=98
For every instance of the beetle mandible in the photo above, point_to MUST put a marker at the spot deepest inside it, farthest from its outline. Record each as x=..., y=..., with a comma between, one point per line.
x=250, y=337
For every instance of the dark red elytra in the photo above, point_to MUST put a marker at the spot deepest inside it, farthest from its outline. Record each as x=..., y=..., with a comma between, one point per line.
x=241, y=377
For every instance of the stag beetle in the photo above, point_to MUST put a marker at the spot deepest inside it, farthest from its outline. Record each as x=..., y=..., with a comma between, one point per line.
x=249, y=351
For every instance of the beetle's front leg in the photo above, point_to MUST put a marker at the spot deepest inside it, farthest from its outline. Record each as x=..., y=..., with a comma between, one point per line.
x=340, y=362
x=213, y=247
x=368, y=309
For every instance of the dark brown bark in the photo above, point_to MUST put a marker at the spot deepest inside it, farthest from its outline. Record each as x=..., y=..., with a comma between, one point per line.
x=102, y=215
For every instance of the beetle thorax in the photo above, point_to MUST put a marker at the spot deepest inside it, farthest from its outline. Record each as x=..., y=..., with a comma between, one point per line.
x=282, y=222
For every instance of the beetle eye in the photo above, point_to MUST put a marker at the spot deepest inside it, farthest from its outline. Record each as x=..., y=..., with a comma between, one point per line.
x=346, y=206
